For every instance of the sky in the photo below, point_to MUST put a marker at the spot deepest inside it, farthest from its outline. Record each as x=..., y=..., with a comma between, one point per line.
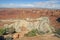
x=53, y=4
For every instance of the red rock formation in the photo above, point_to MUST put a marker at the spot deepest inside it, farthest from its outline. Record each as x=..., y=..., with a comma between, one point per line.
x=31, y=13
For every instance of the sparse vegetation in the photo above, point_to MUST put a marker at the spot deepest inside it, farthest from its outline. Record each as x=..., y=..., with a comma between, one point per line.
x=10, y=30
x=58, y=31
x=31, y=33
x=40, y=33
x=2, y=31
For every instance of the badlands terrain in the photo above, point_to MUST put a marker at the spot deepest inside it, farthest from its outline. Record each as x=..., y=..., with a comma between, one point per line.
x=25, y=19
x=33, y=13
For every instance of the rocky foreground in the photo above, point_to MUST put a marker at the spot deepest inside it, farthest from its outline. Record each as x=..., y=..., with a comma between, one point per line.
x=45, y=37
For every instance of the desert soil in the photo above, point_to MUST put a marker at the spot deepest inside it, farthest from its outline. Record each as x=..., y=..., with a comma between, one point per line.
x=45, y=37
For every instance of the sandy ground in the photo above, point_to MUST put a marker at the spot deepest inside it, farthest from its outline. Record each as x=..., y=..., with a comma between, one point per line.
x=39, y=37
x=45, y=37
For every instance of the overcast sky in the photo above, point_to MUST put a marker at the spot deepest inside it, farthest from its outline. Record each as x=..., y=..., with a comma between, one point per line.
x=55, y=4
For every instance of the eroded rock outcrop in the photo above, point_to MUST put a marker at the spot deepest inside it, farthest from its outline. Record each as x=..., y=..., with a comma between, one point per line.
x=42, y=24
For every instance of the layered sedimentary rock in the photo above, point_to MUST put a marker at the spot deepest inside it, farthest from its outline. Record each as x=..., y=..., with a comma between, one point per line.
x=42, y=24
x=40, y=19
x=22, y=13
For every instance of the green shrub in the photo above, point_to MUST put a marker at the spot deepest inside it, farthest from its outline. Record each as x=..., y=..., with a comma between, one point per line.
x=58, y=31
x=31, y=33
x=40, y=33
x=2, y=31
x=10, y=30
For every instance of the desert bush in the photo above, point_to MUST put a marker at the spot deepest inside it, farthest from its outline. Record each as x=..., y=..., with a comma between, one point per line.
x=40, y=32
x=31, y=33
x=10, y=30
x=2, y=31
x=58, y=31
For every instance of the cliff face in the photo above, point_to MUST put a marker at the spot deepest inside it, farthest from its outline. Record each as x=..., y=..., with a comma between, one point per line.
x=31, y=13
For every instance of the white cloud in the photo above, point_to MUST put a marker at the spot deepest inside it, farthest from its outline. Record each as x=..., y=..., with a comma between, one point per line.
x=45, y=4
x=11, y=5
x=48, y=4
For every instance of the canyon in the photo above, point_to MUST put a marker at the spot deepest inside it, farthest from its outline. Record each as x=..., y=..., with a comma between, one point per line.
x=32, y=13
x=26, y=19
